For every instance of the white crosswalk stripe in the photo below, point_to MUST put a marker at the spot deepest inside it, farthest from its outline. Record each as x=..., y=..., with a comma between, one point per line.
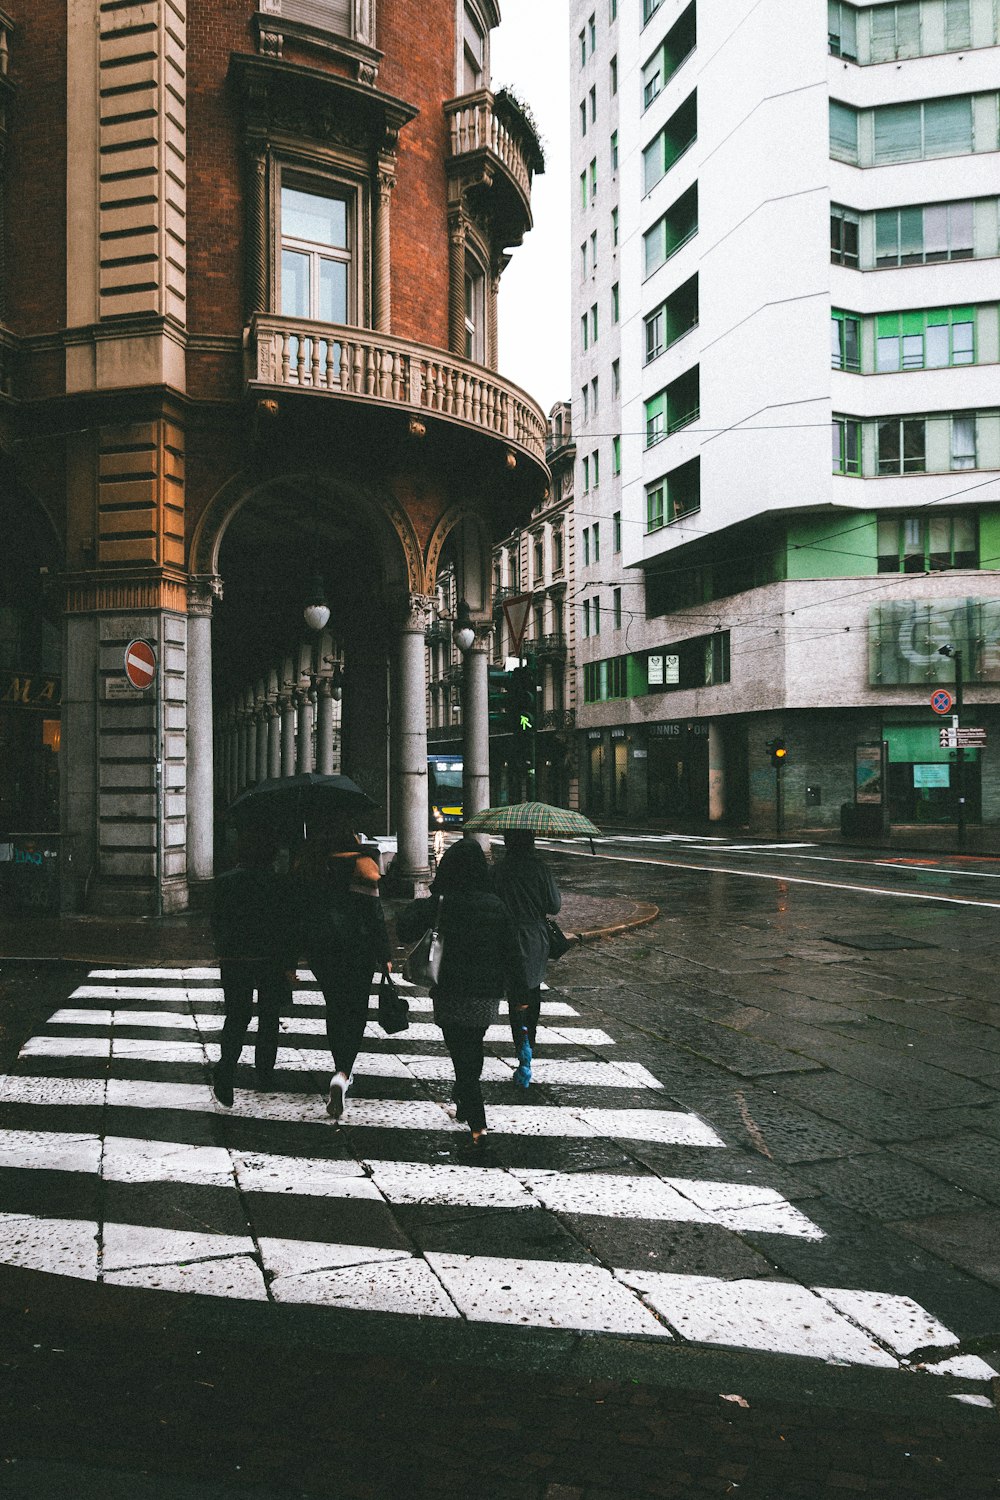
x=371, y=1172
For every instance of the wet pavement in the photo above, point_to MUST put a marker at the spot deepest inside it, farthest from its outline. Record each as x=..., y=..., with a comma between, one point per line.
x=762, y=1168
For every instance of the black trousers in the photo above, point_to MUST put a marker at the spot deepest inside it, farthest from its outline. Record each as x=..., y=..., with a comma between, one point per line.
x=465, y=1047
x=240, y=978
x=346, y=989
x=532, y=1001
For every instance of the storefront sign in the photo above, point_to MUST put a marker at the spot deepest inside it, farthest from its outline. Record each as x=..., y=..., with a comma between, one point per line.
x=905, y=637
x=931, y=776
x=28, y=690
x=676, y=729
x=663, y=671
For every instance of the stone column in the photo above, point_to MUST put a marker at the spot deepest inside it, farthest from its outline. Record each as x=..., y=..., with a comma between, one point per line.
x=256, y=230
x=304, y=746
x=411, y=745
x=716, y=774
x=287, y=767
x=476, y=724
x=385, y=181
x=324, y=727
x=202, y=592
x=233, y=753
x=273, y=742
x=260, y=770
x=456, y=281
x=243, y=762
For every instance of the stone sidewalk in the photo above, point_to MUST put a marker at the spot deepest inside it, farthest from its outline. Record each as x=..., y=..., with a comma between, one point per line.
x=187, y=939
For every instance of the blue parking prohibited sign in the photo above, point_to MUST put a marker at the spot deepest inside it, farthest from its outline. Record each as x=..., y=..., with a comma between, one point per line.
x=941, y=701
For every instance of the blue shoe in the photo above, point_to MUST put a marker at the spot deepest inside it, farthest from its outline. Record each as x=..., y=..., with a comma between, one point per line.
x=524, y=1049
x=522, y=1075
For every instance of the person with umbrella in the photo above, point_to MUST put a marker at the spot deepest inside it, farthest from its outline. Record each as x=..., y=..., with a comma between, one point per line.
x=344, y=939
x=480, y=959
x=527, y=888
x=255, y=940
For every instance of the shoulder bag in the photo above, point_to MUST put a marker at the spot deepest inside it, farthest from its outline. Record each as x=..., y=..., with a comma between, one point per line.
x=423, y=964
x=393, y=1008
x=559, y=943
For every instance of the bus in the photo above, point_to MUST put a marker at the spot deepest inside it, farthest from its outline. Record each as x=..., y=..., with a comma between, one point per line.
x=444, y=790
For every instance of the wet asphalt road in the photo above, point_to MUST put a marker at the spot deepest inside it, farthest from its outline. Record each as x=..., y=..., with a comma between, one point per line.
x=833, y=1018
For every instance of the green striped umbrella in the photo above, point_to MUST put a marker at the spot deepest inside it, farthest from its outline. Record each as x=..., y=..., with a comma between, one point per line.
x=533, y=817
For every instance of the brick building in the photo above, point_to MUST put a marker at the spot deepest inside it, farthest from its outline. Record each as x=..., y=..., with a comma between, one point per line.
x=248, y=343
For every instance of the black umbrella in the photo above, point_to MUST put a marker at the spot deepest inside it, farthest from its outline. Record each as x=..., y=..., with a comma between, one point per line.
x=299, y=800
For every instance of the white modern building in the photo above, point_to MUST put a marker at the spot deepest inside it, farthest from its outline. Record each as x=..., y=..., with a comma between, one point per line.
x=787, y=237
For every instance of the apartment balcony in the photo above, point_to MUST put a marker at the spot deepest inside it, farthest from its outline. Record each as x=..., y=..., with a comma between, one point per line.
x=437, y=631
x=494, y=154
x=550, y=647
x=506, y=591
x=359, y=367
x=558, y=718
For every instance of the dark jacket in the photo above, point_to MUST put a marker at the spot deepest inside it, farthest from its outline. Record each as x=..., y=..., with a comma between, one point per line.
x=527, y=888
x=480, y=958
x=252, y=917
x=339, y=925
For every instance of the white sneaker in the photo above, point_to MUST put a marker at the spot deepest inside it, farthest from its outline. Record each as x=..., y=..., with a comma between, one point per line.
x=337, y=1097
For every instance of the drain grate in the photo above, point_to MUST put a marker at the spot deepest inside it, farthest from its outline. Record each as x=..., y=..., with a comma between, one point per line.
x=879, y=942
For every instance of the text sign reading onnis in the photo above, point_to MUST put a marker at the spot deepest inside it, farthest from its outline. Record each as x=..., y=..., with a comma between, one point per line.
x=140, y=664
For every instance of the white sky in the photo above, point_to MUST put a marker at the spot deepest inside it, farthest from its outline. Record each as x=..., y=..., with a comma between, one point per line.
x=530, y=52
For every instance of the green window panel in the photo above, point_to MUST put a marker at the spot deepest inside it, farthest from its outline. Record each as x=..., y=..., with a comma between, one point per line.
x=923, y=129
x=927, y=544
x=957, y=25
x=924, y=234
x=842, y=30
x=843, y=132
x=656, y=418
x=928, y=340
x=846, y=445
x=845, y=340
x=616, y=459
x=895, y=31
x=654, y=505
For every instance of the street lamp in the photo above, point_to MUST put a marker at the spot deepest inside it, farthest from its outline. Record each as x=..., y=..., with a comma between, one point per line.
x=954, y=654
x=317, y=611
x=337, y=683
x=464, y=634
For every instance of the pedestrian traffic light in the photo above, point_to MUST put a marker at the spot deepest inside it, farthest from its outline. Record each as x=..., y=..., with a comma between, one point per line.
x=521, y=701
x=779, y=753
x=498, y=687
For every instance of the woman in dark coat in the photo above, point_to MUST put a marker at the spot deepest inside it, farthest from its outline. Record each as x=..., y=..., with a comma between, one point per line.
x=526, y=886
x=480, y=960
x=345, y=942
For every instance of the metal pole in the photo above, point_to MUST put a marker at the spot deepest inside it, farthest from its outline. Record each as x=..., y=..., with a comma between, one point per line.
x=959, y=752
x=532, y=663
x=779, y=801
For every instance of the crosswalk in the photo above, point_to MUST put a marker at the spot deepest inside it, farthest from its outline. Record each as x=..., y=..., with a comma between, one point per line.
x=283, y=1206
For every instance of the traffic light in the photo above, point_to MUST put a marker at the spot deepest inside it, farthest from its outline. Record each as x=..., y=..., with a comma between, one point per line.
x=498, y=688
x=779, y=753
x=521, y=701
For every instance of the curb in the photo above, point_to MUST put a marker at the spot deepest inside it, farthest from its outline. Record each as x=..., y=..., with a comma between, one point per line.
x=647, y=913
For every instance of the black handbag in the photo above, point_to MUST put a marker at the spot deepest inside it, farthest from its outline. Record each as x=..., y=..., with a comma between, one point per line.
x=393, y=1008
x=423, y=963
x=559, y=943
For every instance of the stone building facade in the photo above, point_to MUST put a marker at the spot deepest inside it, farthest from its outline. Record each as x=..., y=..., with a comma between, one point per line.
x=247, y=349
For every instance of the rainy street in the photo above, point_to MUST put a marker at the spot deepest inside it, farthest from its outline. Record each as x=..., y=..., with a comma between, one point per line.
x=743, y=1227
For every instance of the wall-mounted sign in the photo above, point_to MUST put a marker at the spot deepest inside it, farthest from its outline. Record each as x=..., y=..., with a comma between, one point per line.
x=30, y=690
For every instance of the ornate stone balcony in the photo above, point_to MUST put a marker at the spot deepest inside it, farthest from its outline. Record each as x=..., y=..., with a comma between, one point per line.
x=494, y=147
x=358, y=365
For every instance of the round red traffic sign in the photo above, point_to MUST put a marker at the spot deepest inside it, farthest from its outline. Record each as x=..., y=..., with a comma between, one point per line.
x=941, y=701
x=140, y=664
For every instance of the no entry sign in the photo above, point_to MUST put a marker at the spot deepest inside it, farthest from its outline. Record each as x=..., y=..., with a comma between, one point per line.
x=140, y=664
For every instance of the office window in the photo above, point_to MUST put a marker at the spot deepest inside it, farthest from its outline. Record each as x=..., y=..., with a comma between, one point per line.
x=925, y=340
x=669, y=145
x=584, y=336
x=593, y=179
x=613, y=75
x=595, y=615
x=317, y=253
x=584, y=404
x=845, y=337
x=596, y=533
x=615, y=303
x=583, y=117
x=846, y=445
x=654, y=505
x=616, y=378
x=895, y=31
x=593, y=324
x=583, y=260
x=583, y=190
x=592, y=34
x=902, y=445
x=616, y=605
x=594, y=388
x=586, y=617
x=963, y=441
x=921, y=130
x=614, y=227
x=842, y=29
x=616, y=522
x=593, y=251
x=585, y=537
x=586, y=475
x=845, y=227
x=616, y=457
x=593, y=104
x=843, y=132
x=927, y=544
x=595, y=469
x=614, y=151
x=933, y=232
x=957, y=25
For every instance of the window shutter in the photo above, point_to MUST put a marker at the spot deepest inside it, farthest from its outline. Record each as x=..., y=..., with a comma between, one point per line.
x=843, y=132
x=957, y=24
x=883, y=33
x=908, y=29
x=332, y=15
x=897, y=133
x=652, y=164
x=947, y=126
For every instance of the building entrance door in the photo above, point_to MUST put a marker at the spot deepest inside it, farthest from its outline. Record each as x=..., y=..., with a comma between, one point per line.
x=621, y=777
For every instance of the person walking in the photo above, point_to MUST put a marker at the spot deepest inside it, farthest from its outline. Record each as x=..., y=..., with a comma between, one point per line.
x=345, y=941
x=528, y=890
x=255, y=941
x=480, y=959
